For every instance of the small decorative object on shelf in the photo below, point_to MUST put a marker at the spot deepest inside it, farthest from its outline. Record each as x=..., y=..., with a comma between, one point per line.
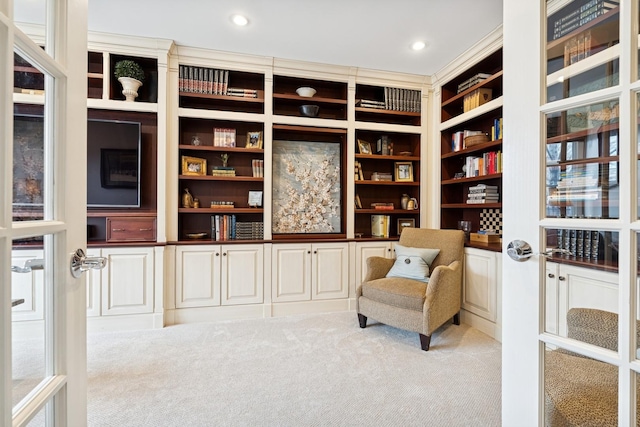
x=254, y=140
x=196, y=203
x=194, y=166
x=405, y=223
x=309, y=110
x=196, y=141
x=187, y=199
x=412, y=204
x=131, y=76
x=364, y=147
x=306, y=92
x=403, y=172
x=466, y=227
x=255, y=199
x=404, y=201
x=384, y=146
x=225, y=158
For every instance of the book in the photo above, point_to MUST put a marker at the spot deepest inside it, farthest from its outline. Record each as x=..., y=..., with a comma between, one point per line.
x=380, y=225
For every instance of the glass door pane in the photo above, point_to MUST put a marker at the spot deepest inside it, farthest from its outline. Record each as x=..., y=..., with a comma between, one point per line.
x=582, y=163
x=582, y=47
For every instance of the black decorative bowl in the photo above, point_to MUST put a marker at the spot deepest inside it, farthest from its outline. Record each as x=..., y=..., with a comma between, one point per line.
x=309, y=110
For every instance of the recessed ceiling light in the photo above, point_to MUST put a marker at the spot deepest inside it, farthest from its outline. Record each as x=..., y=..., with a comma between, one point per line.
x=239, y=20
x=419, y=45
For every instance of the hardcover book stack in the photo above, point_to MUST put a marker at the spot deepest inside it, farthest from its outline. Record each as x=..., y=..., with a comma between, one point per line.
x=483, y=193
x=224, y=137
x=249, y=230
x=381, y=176
x=472, y=81
x=476, y=98
x=577, y=185
x=223, y=171
x=257, y=166
x=395, y=99
x=382, y=206
x=358, y=175
x=578, y=13
x=581, y=243
x=380, y=225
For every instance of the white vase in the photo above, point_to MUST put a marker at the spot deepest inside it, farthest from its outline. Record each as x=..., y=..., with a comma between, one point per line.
x=130, y=87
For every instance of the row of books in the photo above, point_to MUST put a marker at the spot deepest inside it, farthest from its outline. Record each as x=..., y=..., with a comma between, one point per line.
x=496, y=129
x=225, y=227
x=483, y=193
x=472, y=81
x=223, y=171
x=457, y=138
x=476, y=98
x=381, y=176
x=209, y=81
x=576, y=15
x=490, y=163
x=203, y=80
x=380, y=225
x=257, y=167
x=381, y=206
x=395, y=99
x=358, y=175
x=224, y=137
x=580, y=243
x=577, y=48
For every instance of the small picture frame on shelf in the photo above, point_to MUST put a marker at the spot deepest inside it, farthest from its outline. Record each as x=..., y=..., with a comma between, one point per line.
x=403, y=172
x=254, y=140
x=194, y=166
x=364, y=147
x=405, y=223
x=255, y=199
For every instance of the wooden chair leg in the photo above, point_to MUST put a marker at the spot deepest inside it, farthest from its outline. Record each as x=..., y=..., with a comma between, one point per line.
x=425, y=341
x=456, y=318
x=363, y=320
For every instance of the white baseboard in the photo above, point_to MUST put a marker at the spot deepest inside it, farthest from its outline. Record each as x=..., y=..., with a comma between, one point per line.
x=481, y=324
x=125, y=322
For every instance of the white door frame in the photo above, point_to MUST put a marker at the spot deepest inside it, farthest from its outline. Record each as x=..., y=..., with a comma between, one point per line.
x=65, y=59
x=523, y=283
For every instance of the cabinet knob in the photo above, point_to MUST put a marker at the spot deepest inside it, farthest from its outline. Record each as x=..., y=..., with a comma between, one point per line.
x=217, y=253
x=315, y=252
x=551, y=275
x=308, y=252
x=561, y=278
x=224, y=254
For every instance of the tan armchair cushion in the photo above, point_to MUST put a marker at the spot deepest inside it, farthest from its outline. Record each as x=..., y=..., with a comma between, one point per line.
x=398, y=292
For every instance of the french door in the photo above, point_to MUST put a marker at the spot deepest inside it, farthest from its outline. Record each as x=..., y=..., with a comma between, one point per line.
x=42, y=212
x=570, y=299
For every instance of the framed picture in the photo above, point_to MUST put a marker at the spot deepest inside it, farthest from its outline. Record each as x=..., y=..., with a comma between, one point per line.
x=405, y=223
x=254, y=140
x=193, y=166
x=364, y=147
x=307, y=177
x=255, y=199
x=404, y=172
x=118, y=168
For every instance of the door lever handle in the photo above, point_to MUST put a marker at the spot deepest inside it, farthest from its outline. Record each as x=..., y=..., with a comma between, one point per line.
x=81, y=263
x=29, y=266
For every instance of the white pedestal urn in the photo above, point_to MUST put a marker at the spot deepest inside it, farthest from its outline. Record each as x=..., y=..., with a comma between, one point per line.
x=130, y=87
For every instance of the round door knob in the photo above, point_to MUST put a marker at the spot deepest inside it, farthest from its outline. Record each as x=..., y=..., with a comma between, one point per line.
x=561, y=278
x=551, y=275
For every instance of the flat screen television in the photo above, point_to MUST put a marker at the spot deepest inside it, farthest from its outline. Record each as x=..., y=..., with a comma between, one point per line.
x=113, y=163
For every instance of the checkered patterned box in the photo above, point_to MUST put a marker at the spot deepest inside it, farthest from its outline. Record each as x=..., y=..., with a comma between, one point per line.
x=491, y=219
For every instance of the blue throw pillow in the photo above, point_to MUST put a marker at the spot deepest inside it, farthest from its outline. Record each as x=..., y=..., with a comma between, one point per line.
x=413, y=263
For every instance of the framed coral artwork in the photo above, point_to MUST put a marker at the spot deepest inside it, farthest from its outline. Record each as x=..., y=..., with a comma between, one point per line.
x=306, y=187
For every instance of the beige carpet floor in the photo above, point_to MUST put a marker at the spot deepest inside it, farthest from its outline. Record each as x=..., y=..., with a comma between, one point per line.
x=309, y=370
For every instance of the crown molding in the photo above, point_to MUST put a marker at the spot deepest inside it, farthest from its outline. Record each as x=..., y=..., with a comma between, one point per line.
x=483, y=48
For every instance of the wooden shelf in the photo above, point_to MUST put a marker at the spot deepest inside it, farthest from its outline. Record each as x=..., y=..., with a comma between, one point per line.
x=474, y=149
x=387, y=211
x=383, y=157
x=240, y=99
x=391, y=183
x=221, y=211
x=495, y=81
x=221, y=149
x=387, y=112
x=120, y=213
x=309, y=100
x=312, y=129
x=471, y=206
x=220, y=178
x=600, y=160
x=471, y=179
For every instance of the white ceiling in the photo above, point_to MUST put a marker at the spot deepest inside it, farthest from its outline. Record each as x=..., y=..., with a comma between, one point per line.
x=374, y=34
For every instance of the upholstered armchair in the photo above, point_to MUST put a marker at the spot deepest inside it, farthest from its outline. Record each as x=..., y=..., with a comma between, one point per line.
x=421, y=289
x=578, y=390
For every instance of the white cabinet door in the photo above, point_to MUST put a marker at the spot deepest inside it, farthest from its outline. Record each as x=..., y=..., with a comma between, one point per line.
x=480, y=283
x=198, y=276
x=242, y=274
x=291, y=272
x=585, y=288
x=551, y=297
x=127, y=281
x=93, y=286
x=330, y=265
x=27, y=287
x=365, y=250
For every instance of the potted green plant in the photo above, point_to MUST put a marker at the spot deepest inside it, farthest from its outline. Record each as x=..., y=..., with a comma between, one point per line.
x=131, y=76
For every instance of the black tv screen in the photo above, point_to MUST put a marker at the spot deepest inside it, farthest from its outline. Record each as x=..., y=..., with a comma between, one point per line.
x=113, y=164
